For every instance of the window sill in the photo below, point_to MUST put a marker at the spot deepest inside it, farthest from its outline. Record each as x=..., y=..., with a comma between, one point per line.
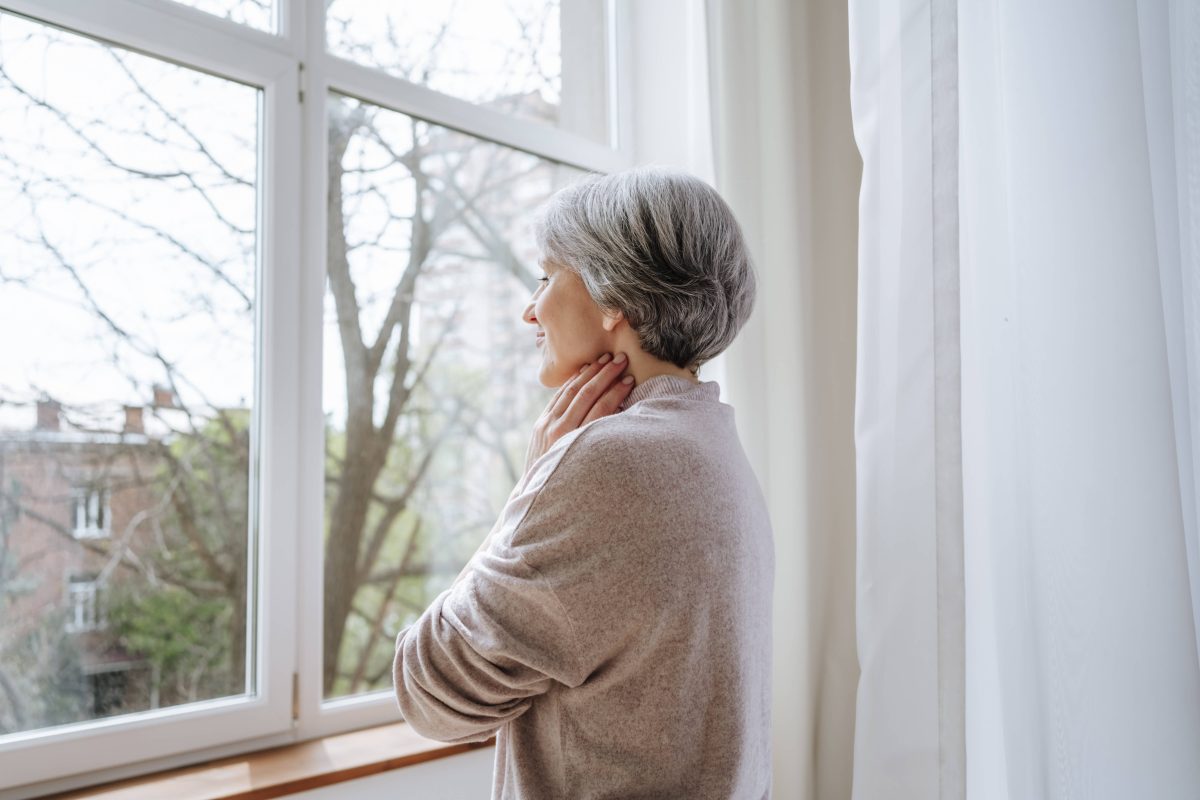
x=284, y=770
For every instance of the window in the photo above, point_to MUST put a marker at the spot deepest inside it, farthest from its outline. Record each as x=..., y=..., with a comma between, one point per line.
x=538, y=59
x=266, y=262
x=130, y=236
x=81, y=605
x=91, y=513
x=425, y=272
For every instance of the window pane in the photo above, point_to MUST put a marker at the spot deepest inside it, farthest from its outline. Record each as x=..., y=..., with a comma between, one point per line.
x=127, y=305
x=255, y=13
x=431, y=264
x=541, y=59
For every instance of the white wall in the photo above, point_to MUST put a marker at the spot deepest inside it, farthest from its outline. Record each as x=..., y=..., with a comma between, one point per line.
x=462, y=777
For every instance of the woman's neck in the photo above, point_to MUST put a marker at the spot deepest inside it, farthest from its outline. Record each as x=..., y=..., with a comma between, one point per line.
x=643, y=367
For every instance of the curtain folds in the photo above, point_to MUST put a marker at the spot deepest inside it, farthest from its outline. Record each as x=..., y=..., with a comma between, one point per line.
x=909, y=731
x=1028, y=401
x=786, y=162
x=1171, y=93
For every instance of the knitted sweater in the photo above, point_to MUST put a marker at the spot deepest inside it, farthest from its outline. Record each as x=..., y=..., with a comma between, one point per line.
x=614, y=630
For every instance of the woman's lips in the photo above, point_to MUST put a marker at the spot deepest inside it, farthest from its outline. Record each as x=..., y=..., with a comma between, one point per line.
x=541, y=337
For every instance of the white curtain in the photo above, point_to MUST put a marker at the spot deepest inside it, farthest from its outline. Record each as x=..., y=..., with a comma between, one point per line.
x=786, y=162
x=1028, y=409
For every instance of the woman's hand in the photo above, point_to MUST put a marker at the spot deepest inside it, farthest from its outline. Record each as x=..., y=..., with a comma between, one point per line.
x=596, y=391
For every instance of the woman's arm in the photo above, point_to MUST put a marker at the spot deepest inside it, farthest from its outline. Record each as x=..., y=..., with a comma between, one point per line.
x=499, y=636
x=483, y=649
x=596, y=391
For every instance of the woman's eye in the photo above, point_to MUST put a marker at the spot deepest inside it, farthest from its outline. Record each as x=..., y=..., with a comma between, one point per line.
x=543, y=278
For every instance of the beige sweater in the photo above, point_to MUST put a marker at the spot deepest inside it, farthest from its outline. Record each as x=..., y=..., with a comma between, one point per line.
x=615, y=628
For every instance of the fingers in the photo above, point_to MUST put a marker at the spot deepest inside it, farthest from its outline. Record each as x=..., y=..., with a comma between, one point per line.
x=611, y=400
x=594, y=388
x=557, y=394
x=562, y=400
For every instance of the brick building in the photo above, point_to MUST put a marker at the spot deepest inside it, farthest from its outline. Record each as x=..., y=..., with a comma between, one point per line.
x=70, y=508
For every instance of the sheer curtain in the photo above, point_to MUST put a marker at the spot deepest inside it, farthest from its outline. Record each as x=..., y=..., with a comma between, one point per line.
x=1028, y=409
x=786, y=162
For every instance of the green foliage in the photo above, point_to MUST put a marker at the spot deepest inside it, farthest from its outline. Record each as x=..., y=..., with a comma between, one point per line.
x=208, y=474
x=44, y=668
x=63, y=691
x=188, y=623
x=174, y=631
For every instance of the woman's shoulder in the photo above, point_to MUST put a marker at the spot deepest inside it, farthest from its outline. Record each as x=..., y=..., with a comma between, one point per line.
x=623, y=435
x=628, y=449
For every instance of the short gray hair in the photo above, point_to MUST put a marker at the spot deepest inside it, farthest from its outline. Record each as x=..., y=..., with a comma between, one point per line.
x=662, y=247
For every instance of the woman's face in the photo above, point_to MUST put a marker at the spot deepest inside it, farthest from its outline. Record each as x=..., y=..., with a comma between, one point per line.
x=570, y=325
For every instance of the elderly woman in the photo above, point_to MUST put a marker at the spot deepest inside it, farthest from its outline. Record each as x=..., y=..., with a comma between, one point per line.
x=614, y=629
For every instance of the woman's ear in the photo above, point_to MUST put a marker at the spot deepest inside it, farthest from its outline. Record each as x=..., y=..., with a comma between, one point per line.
x=612, y=319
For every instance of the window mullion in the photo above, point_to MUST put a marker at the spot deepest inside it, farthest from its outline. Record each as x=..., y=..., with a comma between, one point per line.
x=311, y=287
x=281, y=322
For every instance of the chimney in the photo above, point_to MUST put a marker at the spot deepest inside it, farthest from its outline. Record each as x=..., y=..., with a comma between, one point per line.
x=164, y=397
x=133, y=420
x=48, y=415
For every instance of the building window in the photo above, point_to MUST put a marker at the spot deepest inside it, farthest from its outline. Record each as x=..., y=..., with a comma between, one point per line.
x=83, y=611
x=92, y=516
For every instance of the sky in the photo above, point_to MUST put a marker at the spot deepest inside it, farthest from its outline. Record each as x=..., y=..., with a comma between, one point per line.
x=147, y=249
x=152, y=252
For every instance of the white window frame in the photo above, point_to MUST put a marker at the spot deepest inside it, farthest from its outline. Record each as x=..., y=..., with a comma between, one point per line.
x=81, y=598
x=288, y=439
x=91, y=749
x=324, y=74
x=88, y=504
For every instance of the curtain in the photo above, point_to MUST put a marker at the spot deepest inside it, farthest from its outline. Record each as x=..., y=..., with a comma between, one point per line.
x=1028, y=398
x=786, y=162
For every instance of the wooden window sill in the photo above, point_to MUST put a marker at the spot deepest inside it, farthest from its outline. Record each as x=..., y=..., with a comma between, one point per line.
x=284, y=770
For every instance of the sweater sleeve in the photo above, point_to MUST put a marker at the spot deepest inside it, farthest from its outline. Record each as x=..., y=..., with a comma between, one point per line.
x=484, y=649
x=544, y=600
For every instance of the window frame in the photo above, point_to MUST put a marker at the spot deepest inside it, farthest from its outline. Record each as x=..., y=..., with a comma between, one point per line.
x=89, y=589
x=183, y=36
x=295, y=76
x=324, y=74
x=82, y=498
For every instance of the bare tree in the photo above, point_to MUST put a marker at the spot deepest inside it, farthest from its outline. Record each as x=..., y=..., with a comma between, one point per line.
x=434, y=162
x=457, y=195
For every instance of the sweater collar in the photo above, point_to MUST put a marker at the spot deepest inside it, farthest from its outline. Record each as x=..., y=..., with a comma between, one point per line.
x=670, y=386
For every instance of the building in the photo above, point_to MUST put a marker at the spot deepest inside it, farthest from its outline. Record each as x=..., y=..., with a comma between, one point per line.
x=72, y=511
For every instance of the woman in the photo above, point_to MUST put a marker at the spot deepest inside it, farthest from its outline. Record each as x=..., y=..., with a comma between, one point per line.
x=613, y=630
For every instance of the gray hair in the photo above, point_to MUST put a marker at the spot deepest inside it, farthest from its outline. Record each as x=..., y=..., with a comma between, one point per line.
x=662, y=247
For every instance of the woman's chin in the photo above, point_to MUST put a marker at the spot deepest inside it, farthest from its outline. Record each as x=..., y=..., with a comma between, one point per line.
x=552, y=378
x=549, y=378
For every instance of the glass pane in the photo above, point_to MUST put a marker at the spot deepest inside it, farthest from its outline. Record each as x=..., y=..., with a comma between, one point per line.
x=540, y=59
x=255, y=13
x=431, y=264
x=127, y=224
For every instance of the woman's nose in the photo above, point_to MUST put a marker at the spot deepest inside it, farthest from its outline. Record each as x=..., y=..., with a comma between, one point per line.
x=527, y=314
